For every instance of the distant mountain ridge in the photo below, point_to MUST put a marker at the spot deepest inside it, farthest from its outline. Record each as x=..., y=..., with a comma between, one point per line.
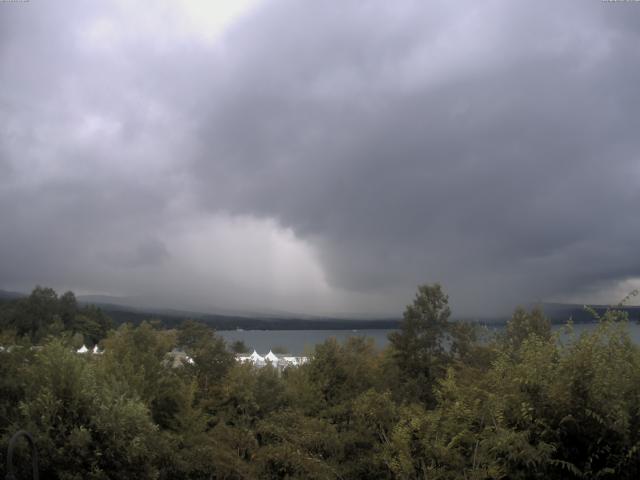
x=562, y=312
x=173, y=318
x=6, y=295
x=143, y=304
x=558, y=313
x=133, y=309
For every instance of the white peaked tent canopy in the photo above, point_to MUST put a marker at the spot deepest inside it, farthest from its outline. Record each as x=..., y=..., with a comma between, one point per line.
x=271, y=357
x=83, y=349
x=260, y=361
x=255, y=358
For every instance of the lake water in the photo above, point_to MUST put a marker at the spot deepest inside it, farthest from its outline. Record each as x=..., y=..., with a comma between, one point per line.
x=297, y=342
x=301, y=342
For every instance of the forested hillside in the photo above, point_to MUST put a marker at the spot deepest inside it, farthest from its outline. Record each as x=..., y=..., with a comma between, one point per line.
x=438, y=403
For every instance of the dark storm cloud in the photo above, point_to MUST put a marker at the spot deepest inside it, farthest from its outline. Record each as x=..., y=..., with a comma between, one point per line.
x=492, y=147
x=150, y=252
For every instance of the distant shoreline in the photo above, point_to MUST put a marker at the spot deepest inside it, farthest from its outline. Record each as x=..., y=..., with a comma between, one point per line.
x=557, y=314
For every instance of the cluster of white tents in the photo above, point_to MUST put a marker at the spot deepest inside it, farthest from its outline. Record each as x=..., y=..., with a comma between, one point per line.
x=279, y=362
x=178, y=357
x=94, y=351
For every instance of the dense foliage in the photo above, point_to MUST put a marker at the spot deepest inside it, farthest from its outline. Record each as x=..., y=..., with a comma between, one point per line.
x=438, y=403
x=44, y=313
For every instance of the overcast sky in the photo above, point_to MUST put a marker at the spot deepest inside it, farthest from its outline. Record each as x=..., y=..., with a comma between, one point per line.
x=321, y=157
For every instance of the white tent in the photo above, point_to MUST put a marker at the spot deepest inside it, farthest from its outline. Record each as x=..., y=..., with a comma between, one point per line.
x=95, y=350
x=83, y=349
x=256, y=359
x=271, y=357
x=279, y=362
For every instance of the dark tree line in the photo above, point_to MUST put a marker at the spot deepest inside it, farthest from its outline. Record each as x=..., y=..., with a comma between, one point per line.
x=44, y=313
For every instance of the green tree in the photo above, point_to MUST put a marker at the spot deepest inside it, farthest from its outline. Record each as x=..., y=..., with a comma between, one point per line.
x=295, y=446
x=210, y=356
x=68, y=309
x=35, y=313
x=135, y=359
x=82, y=428
x=192, y=333
x=239, y=347
x=339, y=372
x=419, y=347
x=523, y=324
x=92, y=323
x=345, y=378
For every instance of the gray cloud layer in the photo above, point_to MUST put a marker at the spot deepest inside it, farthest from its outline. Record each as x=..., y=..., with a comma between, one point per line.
x=492, y=147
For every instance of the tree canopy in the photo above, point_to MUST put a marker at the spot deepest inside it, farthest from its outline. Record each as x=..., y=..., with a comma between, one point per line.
x=440, y=402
